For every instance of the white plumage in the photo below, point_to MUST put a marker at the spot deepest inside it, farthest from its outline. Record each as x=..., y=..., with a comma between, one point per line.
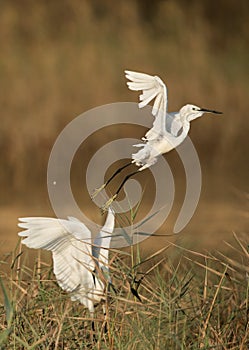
x=168, y=131
x=152, y=87
x=80, y=267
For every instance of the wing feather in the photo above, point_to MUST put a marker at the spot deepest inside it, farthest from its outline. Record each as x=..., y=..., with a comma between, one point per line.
x=70, y=243
x=152, y=87
x=103, y=240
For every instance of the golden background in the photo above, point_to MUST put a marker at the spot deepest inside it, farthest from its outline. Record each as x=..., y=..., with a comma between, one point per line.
x=60, y=58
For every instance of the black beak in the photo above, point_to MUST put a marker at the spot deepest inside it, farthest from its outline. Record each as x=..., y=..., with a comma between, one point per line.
x=209, y=111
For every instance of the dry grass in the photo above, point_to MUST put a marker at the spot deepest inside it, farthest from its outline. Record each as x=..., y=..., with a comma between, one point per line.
x=198, y=301
x=59, y=59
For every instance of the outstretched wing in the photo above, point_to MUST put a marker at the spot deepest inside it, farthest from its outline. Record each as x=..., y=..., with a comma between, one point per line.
x=102, y=241
x=70, y=243
x=152, y=87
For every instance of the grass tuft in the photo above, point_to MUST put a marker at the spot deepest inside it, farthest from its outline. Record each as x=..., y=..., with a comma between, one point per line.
x=199, y=301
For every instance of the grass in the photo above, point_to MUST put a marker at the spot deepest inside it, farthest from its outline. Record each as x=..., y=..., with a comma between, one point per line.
x=58, y=59
x=197, y=301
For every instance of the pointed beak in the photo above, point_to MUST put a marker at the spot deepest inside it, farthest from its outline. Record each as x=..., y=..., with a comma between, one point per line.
x=209, y=111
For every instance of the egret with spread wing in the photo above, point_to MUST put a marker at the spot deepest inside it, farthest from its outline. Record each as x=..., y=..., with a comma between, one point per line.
x=169, y=129
x=80, y=267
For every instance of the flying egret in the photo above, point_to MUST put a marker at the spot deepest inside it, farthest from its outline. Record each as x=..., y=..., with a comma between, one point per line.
x=169, y=129
x=80, y=267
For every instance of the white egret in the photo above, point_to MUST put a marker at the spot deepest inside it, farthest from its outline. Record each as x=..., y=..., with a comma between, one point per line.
x=80, y=267
x=169, y=129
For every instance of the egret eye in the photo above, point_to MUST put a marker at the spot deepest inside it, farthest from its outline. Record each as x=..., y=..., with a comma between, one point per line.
x=195, y=109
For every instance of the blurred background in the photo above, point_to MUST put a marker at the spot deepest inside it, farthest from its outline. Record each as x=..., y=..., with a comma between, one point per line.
x=60, y=58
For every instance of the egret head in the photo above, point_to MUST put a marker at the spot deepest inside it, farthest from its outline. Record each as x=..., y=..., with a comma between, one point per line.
x=191, y=112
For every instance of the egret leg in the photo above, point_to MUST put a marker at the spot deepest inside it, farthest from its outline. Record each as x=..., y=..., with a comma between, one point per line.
x=109, y=202
x=124, y=181
x=105, y=320
x=93, y=333
x=98, y=190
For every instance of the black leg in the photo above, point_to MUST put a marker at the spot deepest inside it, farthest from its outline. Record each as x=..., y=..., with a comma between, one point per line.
x=105, y=327
x=109, y=202
x=105, y=321
x=124, y=181
x=117, y=172
x=109, y=180
x=93, y=333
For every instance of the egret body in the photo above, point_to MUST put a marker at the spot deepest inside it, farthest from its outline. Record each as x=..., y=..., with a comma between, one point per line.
x=80, y=267
x=168, y=131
